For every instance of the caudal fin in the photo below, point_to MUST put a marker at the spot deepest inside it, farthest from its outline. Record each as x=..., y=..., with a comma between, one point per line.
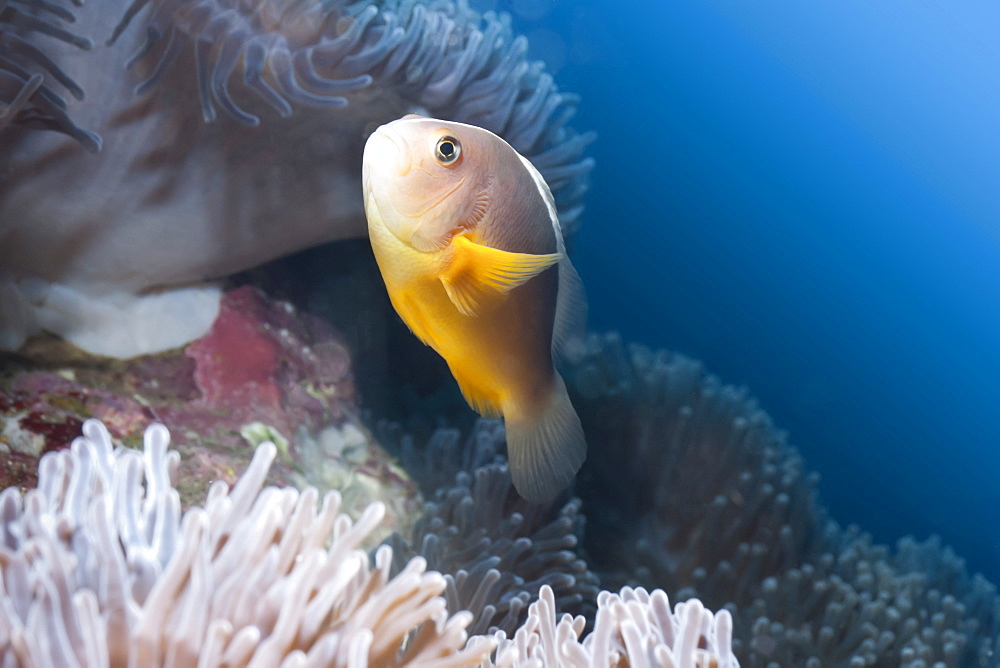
x=545, y=452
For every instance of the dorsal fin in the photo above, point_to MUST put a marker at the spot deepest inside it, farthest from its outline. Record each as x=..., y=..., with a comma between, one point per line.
x=571, y=313
x=571, y=303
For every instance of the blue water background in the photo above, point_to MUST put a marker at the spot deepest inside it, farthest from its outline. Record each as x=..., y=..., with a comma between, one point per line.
x=806, y=197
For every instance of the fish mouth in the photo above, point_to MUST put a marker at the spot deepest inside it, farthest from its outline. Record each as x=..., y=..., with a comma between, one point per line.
x=385, y=154
x=402, y=149
x=383, y=148
x=374, y=214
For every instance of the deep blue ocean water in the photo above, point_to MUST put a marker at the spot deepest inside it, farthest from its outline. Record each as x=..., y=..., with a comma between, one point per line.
x=806, y=197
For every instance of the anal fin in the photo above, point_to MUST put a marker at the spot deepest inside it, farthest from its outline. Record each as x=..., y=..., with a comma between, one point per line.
x=545, y=450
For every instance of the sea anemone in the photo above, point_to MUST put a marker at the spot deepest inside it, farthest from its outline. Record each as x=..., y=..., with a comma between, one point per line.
x=799, y=589
x=633, y=628
x=704, y=497
x=100, y=569
x=863, y=604
x=495, y=549
x=27, y=97
x=689, y=475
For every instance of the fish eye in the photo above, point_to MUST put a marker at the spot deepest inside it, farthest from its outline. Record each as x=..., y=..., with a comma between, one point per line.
x=447, y=150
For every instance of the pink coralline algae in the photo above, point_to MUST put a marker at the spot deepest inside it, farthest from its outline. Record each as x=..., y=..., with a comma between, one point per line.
x=237, y=360
x=263, y=361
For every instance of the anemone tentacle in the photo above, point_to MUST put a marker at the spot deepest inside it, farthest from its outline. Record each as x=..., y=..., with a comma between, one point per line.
x=448, y=60
x=26, y=99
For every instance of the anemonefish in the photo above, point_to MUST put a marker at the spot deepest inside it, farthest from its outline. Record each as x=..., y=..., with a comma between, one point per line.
x=465, y=233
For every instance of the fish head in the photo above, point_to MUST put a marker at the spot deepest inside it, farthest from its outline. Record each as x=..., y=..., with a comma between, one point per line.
x=428, y=180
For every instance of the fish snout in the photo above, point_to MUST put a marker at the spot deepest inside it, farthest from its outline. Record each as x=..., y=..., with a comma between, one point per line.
x=387, y=155
x=384, y=173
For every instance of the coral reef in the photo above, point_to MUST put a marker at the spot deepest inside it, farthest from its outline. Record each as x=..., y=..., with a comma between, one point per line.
x=230, y=136
x=172, y=200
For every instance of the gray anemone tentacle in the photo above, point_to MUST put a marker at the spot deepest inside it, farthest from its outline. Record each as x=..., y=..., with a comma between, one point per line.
x=26, y=98
x=449, y=61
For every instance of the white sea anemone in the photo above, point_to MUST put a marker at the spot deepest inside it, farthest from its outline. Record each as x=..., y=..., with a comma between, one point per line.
x=99, y=569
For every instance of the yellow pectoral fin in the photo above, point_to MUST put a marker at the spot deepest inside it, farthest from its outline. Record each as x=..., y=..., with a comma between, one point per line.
x=476, y=270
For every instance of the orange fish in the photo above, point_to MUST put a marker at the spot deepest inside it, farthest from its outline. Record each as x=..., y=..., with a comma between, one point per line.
x=466, y=236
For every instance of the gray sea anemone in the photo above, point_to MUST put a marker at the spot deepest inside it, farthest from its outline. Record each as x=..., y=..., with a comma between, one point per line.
x=435, y=461
x=705, y=498
x=864, y=604
x=27, y=96
x=696, y=484
x=107, y=250
x=495, y=549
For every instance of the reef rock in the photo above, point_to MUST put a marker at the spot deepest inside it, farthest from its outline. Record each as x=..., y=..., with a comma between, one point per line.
x=264, y=372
